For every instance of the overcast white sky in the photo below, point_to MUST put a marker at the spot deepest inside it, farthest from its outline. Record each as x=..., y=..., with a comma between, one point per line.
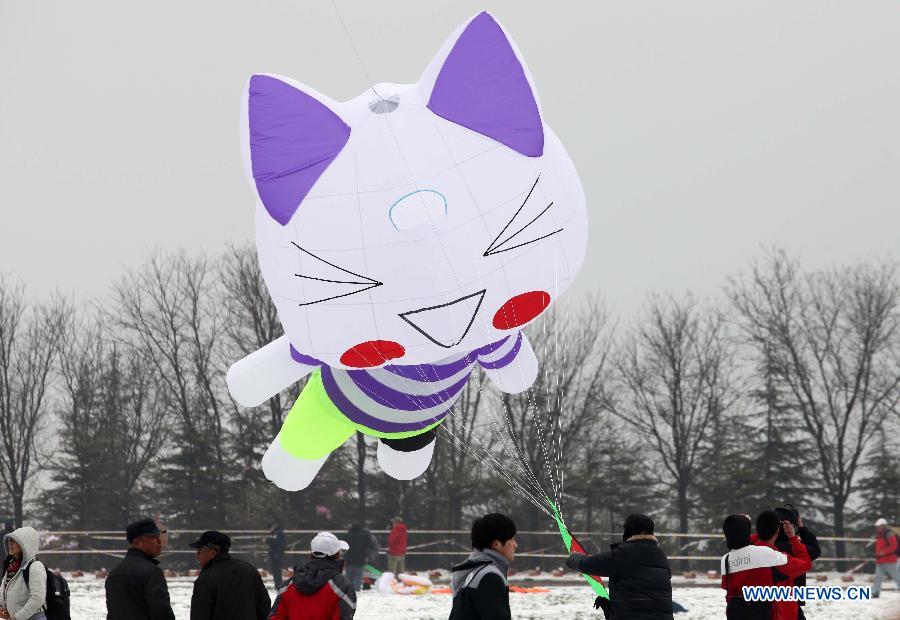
x=702, y=130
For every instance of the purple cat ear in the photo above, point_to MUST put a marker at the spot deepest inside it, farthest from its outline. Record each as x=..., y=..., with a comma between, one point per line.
x=293, y=139
x=482, y=86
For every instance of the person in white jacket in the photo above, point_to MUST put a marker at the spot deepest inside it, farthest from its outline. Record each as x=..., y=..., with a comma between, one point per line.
x=18, y=600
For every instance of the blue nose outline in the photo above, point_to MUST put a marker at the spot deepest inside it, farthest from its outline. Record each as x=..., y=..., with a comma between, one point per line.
x=405, y=196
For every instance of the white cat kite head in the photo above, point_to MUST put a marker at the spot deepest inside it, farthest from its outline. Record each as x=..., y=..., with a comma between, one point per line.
x=415, y=221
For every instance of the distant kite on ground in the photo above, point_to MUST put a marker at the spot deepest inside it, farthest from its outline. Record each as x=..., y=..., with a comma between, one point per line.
x=406, y=237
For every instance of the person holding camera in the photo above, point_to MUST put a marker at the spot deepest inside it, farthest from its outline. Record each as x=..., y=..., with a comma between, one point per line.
x=768, y=528
x=791, y=514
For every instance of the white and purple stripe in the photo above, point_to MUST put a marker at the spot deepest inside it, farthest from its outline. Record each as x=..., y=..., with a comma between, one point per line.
x=396, y=398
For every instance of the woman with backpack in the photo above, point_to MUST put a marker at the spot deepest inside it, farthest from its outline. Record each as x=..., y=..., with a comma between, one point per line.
x=21, y=597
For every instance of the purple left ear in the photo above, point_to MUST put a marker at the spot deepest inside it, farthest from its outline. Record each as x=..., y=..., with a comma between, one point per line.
x=293, y=139
x=482, y=86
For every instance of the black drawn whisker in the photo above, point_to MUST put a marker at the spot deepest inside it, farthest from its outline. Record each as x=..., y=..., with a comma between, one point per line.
x=525, y=243
x=300, y=275
x=513, y=236
x=522, y=206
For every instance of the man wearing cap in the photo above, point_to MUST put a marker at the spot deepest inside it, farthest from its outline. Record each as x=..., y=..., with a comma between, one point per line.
x=318, y=590
x=885, y=556
x=136, y=588
x=640, y=581
x=227, y=588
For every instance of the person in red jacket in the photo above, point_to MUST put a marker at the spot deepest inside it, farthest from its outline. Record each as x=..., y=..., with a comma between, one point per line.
x=318, y=590
x=397, y=546
x=885, y=556
x=749, y=564
x=767, y=529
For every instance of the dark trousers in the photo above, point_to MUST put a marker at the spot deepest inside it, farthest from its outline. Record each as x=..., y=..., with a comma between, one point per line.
x=739, y=609
x=355, y=575
x=275, y=564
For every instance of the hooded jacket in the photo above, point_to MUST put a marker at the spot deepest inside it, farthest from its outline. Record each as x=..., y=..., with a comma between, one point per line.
x=640, y=581
x=480, y=589
x=229, y=589
x=136, y=589
x=317, y=591
x=24, y=600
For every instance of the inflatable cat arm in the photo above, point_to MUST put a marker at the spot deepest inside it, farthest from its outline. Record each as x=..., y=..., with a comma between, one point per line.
x=405, y=236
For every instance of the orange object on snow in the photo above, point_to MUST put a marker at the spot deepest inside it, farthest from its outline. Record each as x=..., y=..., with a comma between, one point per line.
x=523, y=590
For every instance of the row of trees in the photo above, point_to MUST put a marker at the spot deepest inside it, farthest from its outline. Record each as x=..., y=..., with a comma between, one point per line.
x=787, y=390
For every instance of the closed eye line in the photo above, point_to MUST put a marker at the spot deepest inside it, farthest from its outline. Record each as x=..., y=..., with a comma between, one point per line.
x=368, y=282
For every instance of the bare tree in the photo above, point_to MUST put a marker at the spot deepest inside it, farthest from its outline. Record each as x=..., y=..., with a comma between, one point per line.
x=613, y=480
x=675, y=378
x=168, y=312
x=834, y=338
x=29, y=344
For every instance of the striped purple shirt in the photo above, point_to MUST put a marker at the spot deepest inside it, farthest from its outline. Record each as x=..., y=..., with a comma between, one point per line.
x=394, y=398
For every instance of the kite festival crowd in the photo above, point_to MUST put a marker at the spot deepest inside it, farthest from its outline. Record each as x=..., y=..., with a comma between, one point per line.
x=635, y=572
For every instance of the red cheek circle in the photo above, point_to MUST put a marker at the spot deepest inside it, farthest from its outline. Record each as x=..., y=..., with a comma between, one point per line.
x=521, y=309
x=372, y=353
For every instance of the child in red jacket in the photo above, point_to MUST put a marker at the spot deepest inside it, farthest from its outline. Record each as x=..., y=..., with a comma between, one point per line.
x=318, y=589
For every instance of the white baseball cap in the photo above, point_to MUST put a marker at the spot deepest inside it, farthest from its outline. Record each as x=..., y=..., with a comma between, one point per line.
x=880, y=521
x=326, y=544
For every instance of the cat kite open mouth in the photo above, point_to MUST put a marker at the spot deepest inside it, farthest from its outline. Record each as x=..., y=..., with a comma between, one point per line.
x=406, y=237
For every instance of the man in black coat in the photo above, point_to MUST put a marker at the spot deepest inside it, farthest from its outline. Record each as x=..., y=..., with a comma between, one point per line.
x=277, y=545
x=227, y=588
x=640, y=581
x=136, y=588
x=363, y=546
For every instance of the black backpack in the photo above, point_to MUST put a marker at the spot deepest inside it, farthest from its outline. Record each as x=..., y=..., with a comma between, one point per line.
x=56, y=605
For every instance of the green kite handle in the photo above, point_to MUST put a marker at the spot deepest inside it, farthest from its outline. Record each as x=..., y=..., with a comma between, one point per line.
x=598, y=588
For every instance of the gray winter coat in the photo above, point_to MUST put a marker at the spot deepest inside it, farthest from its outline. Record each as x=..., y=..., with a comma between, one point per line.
x=25, y=600
x=479, y=586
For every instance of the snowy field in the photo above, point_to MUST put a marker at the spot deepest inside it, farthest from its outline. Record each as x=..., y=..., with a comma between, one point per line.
x=562, y=603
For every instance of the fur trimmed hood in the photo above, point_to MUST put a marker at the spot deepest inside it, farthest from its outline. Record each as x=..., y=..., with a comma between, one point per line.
x=642, y=537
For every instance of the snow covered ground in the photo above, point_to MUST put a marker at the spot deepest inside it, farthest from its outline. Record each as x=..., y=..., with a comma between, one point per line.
x=562, y=603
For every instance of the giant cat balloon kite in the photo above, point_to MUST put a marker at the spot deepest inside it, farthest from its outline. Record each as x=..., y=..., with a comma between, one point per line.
x=405, y=237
